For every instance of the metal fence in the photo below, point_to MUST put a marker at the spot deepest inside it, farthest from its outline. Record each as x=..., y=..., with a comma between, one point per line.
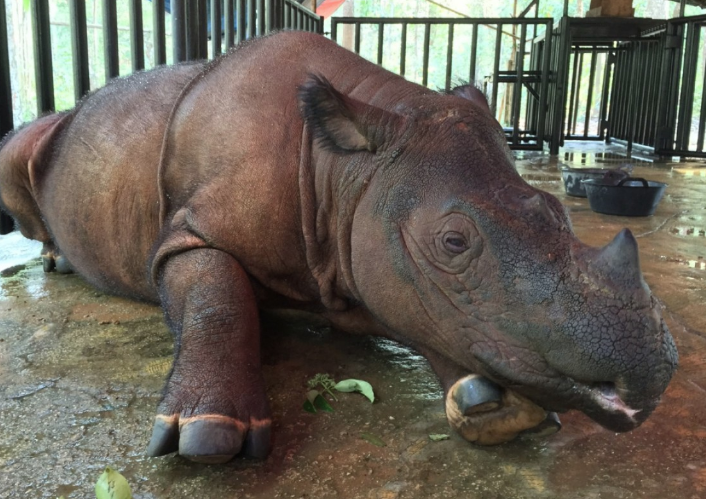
x=497, y=54
x=195, y=25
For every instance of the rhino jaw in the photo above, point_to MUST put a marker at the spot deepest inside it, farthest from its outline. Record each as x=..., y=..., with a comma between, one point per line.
x=486, y=414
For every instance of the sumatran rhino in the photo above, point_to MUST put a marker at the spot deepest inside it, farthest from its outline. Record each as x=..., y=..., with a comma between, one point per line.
x=292, y=173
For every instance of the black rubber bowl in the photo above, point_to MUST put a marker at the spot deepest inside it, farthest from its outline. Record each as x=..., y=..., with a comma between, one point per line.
x=574, y=177
x=631, y=197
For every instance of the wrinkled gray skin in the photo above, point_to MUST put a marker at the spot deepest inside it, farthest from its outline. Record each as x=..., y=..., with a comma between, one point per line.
x=292, y=173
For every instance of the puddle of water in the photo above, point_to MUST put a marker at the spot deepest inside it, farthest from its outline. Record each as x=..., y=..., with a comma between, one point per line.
x=691, y=172
x=689, y=231
x=698, y=264
x=15, y=249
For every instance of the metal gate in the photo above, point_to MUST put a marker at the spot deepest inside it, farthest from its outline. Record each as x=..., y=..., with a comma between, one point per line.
x=500, y=55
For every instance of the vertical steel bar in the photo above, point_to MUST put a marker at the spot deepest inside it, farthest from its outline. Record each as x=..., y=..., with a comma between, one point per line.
x=179, y=30
x=517, y=91
x=474, y=47
x=701, y=132
x=496, y=70
x=577, y=92
x=645, y=78
x=651, y=97
x=605, y=96
x=192, y=39
x=357, y=37
x=43, y=69
x=228, y=24
x=252, y=19
x=260, y=17
x=544, y=84
x=449, y=55
x=202, y=29
x=241, y=12
x=381, y=41
x=216, y=27
x=137, y=45
x=686, y=104
x=79, y=47
x=334, y=29
x=562, y=54
x=589, y=97
x=110, y=39
x=425, y=63
x=6, y=115
x=403, y=49
x=158, y=28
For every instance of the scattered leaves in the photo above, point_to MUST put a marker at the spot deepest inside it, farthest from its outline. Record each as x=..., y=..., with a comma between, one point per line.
x=375, y=440
x=437, y=437
x=316, y=402
x=325, y=381
x=112, y=485
x=356, y=385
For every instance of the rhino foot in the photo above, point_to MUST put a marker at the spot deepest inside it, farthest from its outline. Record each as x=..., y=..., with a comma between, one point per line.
x=53, y=260
x=209, y=438
x=486, y=414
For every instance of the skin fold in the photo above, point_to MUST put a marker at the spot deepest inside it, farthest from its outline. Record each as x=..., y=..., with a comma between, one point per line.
x=338, y=188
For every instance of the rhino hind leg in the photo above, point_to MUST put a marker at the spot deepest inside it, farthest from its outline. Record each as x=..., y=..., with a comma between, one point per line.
x=54, y=260
x=215, y=406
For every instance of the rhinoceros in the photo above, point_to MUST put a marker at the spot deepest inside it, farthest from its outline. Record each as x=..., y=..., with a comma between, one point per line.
x=292, y=173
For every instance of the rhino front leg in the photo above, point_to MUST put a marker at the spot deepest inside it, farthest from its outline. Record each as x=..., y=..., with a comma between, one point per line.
x=215, y=405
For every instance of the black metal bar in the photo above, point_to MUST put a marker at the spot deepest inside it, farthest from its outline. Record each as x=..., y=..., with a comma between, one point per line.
x=686, y=104
x=179, y=30
x=228, y=24
x=474, y=48
x=6, y=116
x=252, y=19
x=701, y=131
x=241, y=12
x=159, y=32
x=562, y=54
x=607, y=73
x=403, y=49
x=496, y=69
x=216, y=27
x=381, y=36
x=202, y=29
x=137, y=43
x=260, y=17
x=589, y=97
x=79, y=47
x=449, y=55
x=572, y=94
x=652, y=86
x=517, y=91
x=357, y=37
x=334, y=27
x=425, y=60
x=544, y=85
x=43, y=69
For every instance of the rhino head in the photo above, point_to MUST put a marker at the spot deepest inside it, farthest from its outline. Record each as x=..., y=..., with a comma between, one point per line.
x=455, y=254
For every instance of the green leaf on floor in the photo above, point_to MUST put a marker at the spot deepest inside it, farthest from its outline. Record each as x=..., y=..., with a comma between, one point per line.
x=112, y=485
x=375, y=440
x=356, y=385
x=437, y=437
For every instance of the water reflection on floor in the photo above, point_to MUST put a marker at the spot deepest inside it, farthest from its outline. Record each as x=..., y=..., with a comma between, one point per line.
x=81, y=373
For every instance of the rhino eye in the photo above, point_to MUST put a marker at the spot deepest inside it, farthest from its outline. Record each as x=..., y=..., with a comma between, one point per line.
x=455, y=242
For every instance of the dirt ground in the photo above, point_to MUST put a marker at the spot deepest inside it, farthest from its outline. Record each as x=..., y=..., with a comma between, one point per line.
x=81, y=374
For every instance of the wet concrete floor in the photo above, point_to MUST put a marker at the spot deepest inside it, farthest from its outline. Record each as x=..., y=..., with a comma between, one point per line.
x=81, y=374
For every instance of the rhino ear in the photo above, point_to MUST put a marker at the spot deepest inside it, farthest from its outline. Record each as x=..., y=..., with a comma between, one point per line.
x=339, y=121
x=472, y=93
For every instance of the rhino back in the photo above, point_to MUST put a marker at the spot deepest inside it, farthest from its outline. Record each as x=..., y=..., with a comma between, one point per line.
x=237, y=142
x=99, y=193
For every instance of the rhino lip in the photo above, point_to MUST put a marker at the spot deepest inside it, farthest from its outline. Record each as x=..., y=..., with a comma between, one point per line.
x=606, y=396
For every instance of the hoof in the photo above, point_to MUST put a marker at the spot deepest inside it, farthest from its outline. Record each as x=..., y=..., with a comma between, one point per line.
x=486, y=414
x=63, y=266
x=474, y=394
x=210, y=439
x=549, y=426
x=48, y=263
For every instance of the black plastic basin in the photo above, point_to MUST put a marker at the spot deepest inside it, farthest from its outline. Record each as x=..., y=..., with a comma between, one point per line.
x=574, y=177
x=631, y=197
